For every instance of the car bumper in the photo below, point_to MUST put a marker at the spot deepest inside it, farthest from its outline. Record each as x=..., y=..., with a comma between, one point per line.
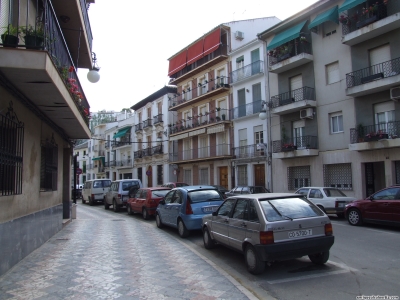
x=294, y=249
x=194, y=222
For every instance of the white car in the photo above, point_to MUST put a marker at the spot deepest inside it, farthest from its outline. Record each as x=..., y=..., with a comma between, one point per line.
x=329, y=200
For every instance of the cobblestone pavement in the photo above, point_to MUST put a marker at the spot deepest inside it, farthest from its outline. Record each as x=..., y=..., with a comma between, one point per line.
x=110, y=256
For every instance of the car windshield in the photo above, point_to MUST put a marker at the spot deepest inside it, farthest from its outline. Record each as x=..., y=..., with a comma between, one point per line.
x=288, y=209
x=204, y=195
x=159, y=193
x=258, y=190
x=334, y=193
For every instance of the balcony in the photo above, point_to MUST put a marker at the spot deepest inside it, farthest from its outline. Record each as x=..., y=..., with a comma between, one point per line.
x=361, y=25
x=138, y=127
x=147, y=124
x=373, y=79
x=125, y=163
x=290, y=55
x=293, y=101
x=121, y=143
x=249, y=71
x=246, y=110
x=100, y=169
x=209, y=89
x=158, y=120
x=296, y=147
x=249, y=151
x=375, y=137
x=108, y=144
x=49, y=81
x=223, y=151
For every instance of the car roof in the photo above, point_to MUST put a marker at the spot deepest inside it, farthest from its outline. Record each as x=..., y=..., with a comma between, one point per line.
x=196, y=187
x=156, y=188
x=266, y=195
x=318, y=187
x=119, y=180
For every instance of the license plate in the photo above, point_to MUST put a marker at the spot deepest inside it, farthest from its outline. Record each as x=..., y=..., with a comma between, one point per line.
x=299, y=233
x=210, y=209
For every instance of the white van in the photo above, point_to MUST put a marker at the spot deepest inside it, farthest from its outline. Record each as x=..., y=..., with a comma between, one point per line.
x=94, y=190
x=118, y=193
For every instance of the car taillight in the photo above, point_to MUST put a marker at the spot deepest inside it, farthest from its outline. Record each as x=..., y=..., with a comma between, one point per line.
x=92, y=196
x=266, y=237
x=328, y=229
x=119, y=196
x=189, y=210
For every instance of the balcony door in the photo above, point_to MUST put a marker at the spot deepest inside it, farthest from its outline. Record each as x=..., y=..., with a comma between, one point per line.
x=187, y=149
x=256, y=88
x=203, y=146
x=384, y=116
x=241, y=103
x=221, y=144
x=376, y=57
x=243, y=143
x=298, y=134
x=296, y=83
x=255, y=61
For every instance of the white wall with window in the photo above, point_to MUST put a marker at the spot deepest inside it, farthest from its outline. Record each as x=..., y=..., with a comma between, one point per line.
x=332, y=73
x=336, y=122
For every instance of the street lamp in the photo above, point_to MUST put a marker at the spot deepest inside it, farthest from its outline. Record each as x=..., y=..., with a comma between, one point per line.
x=93, y=76
x=263, y=112
x=264, y=116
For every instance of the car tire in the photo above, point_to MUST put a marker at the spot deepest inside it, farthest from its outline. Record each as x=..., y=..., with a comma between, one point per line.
x=115, y=206
x=90, y=201
x=182, y=230
x=106, y=205
x=253, y=263
x=319, y=258
x=83, y=200
x=129, y=209
x=158, y=221
x=208, y=241
x=354, y=217
x=145, y=213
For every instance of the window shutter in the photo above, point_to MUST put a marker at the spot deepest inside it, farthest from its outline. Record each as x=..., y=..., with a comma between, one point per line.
x=332, y=73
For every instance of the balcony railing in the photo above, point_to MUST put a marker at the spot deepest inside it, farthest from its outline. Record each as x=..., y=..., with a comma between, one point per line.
x=304, y=93
x=247, y=71
x=147, y=123
x=202, y=153
x=364, y=14
x=157, y=150
x=246, y=110
x=138, y=154
x=147, y=152
x=138, y=127
x=108, y=144
x=87, y=22
x=123, y=163
x=290, y=49
x=375, y=132
x=249, y=151
x=122, y=142
x=383, y=70
x=158, y=119
x=299, y=143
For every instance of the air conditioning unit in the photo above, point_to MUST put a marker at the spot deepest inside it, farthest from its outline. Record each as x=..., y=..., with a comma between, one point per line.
x=307, y=113
x=395, y=93
x=239, y=35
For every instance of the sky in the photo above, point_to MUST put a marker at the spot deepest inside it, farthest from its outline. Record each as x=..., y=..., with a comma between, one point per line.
x=134, y=39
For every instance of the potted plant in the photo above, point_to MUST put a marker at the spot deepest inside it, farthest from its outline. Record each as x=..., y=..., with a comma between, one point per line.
x=10, y=36
x=223, y=116
x=360, y=133
x=33, y=36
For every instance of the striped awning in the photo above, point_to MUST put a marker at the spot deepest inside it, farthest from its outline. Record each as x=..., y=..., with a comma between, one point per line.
x=197, y=132
x=178, y=137
x=215, y=129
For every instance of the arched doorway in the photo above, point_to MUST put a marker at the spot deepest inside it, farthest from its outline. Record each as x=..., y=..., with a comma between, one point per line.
x=149, y=174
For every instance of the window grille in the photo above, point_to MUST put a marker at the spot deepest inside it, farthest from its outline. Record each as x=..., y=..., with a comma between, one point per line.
x=49, y=165
x=160, y=174
x=204, y=177
x=11, y=153
x=187, y=176
x=298, y=177
x=338, y=176
x=242, y=175
x=397, y=171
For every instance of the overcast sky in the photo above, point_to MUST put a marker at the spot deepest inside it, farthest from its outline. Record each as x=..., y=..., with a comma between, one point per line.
x=133, y=41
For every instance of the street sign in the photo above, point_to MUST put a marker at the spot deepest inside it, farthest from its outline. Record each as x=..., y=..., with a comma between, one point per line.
x=78, y=171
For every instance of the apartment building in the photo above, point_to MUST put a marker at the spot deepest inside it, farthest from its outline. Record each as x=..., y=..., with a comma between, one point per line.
x=81, y=151
x=42, y=109
x=333, y=80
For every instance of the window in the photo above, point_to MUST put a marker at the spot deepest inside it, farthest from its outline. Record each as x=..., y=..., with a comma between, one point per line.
x=159, y=174
x=384, y=115
x=221, y=77
x=203, y=177
x=49, y=166
x=187, y=91
x=296, y=83
x=298, y=134
x=11, y=151
x=332, y=73
x=338, y=176
x=298, y=177
x=187, y=151
x=187, y=176
x=242, y=175
x=241, y=103
x=203, y=146
x=240, y=209
x=336, y=122
x=243, y=142
x=226, y=207
x=203, y=86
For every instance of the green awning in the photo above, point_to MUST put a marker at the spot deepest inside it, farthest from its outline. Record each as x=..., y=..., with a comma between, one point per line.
x=350, y=4
x=329, y=15
x=102, y=158
x=286, y=36
x=122, y=132
x=96, y=158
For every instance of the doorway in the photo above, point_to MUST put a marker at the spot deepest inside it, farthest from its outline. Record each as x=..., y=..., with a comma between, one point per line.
x=223, y=177
x=374, y=177
x=149, y=174
x=259, y=175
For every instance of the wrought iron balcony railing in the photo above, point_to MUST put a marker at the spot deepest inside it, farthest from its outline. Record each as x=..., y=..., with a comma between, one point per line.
x=85, y=14
x=158, y=119
x=202, y=153
x=138, y=127
x=157, y=149
x=389, y=130
x=122, y=142
x=147, y=123
x=254, y=68
x=298, y=143
x=290, y=49
x=304, y=93
x=246, y=110
x=383, y=70
x=249, y=151
x=138, y=154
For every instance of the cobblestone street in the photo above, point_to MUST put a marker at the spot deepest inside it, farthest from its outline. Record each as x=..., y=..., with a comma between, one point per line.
x=113, y=256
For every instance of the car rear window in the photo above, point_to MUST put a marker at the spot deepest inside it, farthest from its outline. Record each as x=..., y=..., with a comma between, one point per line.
x=128, y=184
x=334, y=193
x=101, y=183
x=289, y=208
x=159, y=193
x=204, y=195
x=179, y=184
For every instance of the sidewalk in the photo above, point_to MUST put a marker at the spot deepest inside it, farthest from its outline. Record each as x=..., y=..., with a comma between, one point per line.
x=104, y=256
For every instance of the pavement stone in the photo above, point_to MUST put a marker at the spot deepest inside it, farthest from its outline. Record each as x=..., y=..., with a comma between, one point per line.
x=115, y=258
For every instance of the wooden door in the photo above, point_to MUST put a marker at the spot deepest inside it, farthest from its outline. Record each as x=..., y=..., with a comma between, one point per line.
x=223, y=177
x=259, y=175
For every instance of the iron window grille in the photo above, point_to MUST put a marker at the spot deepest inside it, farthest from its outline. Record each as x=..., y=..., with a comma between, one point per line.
x=298, y=177
x=397, y=171
x=242, y=175
x=11, y=153
x=338, y=176
x=49, y=165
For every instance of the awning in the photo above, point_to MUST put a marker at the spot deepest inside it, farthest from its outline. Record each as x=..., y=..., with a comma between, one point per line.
x=215, y=129
x=178, y=137
x=350, y=4
x=177, y=63
x=102, y=158
x=286, y=36
x=329, y=15
x=122, y=132
x=197, y=132
x=212, y=41
x=195, y=52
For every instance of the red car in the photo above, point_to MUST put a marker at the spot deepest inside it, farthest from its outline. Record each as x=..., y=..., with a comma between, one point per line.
x=146, y=200
x=382, y=207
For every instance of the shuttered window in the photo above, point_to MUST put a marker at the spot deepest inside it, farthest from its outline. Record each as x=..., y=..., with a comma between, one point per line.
x=332, y=73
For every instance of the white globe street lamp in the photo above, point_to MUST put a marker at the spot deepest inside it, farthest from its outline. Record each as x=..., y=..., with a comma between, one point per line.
x=93, y=75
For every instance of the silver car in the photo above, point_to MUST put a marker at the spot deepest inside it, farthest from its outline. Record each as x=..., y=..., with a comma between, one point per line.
x=270, y=227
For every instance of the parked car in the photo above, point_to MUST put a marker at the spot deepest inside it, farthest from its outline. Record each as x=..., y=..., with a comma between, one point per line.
x=184, y=207
x=329, y=200
x=221, y=189
x=172, y=185
x=145, y=201
x=118, y=193
x=382, y=207
x=94, y=190
x=238, y=190
x=270, y=227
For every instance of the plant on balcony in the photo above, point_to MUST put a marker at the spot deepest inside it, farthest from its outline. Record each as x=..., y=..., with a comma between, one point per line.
x=344, y=20
x=33, y=36
x=218, y=108
x=289, y=147
x=218, y=119
x=360, y=133
x=223, y=116
x=10, y=35
x=374, y=136
x=303, y=39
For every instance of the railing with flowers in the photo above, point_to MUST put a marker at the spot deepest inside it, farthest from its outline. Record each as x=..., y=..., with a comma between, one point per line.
x=298, y=143
x=249, y=151
x=366, y=13
x=292, y=48
x=389, y=130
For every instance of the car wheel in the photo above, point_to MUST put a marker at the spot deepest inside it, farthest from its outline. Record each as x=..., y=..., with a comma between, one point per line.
x=90, y=201
x=319, y=258
x=115, y=206
x=183, y=232
x=129, y=209
x=208, y=241
x=253, y=263
x=158, y=221
x=145, y=214
x=354, y=217
x=106, y=205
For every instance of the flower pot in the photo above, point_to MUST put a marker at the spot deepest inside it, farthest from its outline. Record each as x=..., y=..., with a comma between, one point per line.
x=376, y=137
x=366, y=21
x=33, y=42
x=289, y=148
x=223, y=117
x=283, y=57
x=9, y=40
